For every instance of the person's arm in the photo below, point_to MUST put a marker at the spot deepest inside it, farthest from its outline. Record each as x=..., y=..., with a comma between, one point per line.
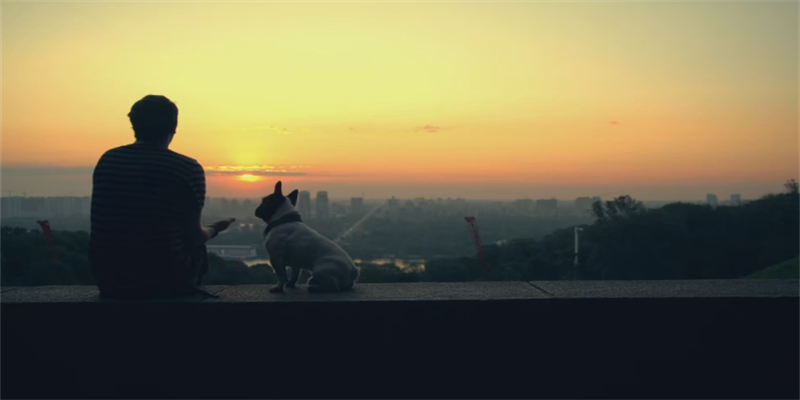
x=209, y=232
x=203, y=234
x=206, y=233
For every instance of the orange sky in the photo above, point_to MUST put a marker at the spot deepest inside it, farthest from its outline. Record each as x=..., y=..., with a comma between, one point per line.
x=663, y=100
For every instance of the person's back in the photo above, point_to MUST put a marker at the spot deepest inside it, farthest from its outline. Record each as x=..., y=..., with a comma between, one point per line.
x=146, y=239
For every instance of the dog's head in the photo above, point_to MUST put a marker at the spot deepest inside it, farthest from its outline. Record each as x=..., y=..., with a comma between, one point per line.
x=270, y=204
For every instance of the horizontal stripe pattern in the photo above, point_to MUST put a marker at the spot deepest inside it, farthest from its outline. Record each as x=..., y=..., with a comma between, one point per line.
x=145, y=203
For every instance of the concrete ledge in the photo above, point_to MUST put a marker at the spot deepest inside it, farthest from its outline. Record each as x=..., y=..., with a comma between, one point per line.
x=479, y=291
x=712, y=288
x=646, y=339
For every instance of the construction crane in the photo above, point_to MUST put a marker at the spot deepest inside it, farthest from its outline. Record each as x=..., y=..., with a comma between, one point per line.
x=476, y=238
x=48, y=234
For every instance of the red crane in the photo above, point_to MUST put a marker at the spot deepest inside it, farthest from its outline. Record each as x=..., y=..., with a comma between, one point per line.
x=476, y=238
x=48, y=234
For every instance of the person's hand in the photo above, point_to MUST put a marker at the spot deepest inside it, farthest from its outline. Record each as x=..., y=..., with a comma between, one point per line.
x=221, y=225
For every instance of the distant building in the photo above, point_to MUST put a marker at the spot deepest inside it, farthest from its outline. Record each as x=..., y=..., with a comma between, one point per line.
x=337, y=209
x=408, y=208
x=736, y=199
x=522, y=206
x=45, y=207
x=304, y=204
x=322, y=205
x=547, y=207
x=248, y=208
x=208, y=206
x=393, y=204
x=32, y=207
x=234, y=209
x=583, y=204
x=233, y=252
x=79, y=205
x=57, y=206
x=11, y=206
x=86, y=205
x=222, y=206
x=356, y=205
x=712, y=199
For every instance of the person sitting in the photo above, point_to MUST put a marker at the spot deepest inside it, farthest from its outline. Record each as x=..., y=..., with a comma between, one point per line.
x=147, y=239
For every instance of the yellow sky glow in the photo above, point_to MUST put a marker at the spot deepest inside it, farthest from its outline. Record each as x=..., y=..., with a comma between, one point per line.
x=565, y=94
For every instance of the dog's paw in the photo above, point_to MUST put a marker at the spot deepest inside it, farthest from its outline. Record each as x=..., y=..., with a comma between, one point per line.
x=291, y=285
x=276, y=289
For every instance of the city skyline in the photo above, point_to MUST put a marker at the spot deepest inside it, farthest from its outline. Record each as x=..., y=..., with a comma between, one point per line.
x=79, y=184
x=15, y=206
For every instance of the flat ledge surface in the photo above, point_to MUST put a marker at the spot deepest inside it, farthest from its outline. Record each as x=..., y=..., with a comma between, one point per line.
x=669, y=289
x=421, y=291
x=429, y=291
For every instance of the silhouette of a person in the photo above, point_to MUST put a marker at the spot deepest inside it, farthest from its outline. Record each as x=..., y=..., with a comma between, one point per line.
x=146, y=237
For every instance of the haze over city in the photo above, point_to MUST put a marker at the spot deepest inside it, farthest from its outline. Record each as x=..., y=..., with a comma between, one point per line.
x=661, y=101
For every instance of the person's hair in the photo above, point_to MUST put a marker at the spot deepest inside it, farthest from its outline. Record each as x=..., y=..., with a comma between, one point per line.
x=153, y=117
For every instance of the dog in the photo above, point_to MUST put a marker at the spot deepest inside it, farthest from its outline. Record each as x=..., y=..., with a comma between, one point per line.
x=292, y=243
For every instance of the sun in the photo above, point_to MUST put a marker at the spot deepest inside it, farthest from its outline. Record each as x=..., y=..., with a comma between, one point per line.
x=248, y=178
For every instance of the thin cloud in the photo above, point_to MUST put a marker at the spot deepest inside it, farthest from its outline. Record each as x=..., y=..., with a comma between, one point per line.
x=257, y=170
x=429, y=128
x=255, y=173
x=613, y=122
x=267, y=129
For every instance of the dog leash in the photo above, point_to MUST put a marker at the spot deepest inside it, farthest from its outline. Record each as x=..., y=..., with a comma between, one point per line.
x=205, y=293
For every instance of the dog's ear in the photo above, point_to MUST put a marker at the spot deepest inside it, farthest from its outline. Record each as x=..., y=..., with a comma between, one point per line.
x=278, y=190
x=293, y=197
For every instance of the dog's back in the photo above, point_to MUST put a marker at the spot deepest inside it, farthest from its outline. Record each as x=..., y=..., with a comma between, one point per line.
x=303, y=247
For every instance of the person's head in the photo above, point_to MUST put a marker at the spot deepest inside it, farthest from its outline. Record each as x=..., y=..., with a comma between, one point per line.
x=154, y=119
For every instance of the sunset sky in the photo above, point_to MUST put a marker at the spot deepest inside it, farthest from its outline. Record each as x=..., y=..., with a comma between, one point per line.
x=480, y=100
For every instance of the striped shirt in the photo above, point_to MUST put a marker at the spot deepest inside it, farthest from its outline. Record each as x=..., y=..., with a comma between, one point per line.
x=146, y=205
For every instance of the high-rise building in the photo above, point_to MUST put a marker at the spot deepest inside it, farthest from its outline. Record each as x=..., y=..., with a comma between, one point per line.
x=522, y=206
x=712, y=199
x=322, y=204
x=304, y=204
x=11, y=206
x=736, y=199
x=356, y=205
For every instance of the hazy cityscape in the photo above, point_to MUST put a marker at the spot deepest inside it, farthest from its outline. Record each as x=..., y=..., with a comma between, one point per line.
x=321, y=206
x=374, y=230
